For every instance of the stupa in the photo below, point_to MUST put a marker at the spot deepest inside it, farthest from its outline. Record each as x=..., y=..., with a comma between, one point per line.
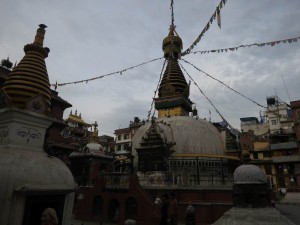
x=31, y=180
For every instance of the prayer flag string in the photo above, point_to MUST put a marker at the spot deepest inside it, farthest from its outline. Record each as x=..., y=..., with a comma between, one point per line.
x=105, y=75
x=264, y=44
x=216, y=14
x=222, y=50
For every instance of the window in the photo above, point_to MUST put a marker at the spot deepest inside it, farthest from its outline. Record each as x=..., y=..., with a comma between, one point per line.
x=119, y=137
x=266, y=154
x=268, y=169
x=126, y=136
x=126, y=147
x=290, y=168
x=274, y=122
x=255, y=155
x=119, y=147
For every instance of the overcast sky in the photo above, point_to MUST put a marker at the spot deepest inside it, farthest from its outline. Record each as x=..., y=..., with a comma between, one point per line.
x=95, y=37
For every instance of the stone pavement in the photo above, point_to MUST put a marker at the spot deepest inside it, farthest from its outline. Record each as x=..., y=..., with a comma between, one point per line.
x=79, y=222
x=289, y=206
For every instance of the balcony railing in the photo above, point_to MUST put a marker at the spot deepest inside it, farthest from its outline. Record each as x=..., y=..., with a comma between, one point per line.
x=120, y=181
x=173, y=179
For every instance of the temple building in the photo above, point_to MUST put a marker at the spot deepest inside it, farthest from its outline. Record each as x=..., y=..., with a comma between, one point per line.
x=174, y=153
x=31, y=179
x=182, y=149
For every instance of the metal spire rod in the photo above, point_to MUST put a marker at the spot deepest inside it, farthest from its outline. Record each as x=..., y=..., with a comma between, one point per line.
x=172, y=12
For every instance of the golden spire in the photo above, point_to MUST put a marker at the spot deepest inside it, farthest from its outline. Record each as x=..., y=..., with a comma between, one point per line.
x=27, y=86
x=173, y=92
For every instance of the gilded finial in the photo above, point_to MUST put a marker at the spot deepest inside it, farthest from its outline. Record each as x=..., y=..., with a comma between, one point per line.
x=40, y=33
x=172, y=44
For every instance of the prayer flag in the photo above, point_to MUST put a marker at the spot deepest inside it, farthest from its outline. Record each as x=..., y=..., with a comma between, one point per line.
x=219, y=17
x=221, y=5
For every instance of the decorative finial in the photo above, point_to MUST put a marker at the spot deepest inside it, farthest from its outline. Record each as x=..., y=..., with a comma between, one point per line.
x=172, y=44
x=40, y=33
x=43, y=26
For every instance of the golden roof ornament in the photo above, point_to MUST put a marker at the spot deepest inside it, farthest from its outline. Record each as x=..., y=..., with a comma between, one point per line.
x=172, y=44
x=173, y=91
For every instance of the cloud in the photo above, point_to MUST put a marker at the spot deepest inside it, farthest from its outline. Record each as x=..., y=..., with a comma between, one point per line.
x=93, y=38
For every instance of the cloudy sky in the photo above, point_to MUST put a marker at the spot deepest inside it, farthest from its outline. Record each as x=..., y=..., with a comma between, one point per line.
x=95, y=37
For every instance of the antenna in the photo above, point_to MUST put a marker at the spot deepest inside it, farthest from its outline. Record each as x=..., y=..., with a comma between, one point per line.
x=286, y=89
